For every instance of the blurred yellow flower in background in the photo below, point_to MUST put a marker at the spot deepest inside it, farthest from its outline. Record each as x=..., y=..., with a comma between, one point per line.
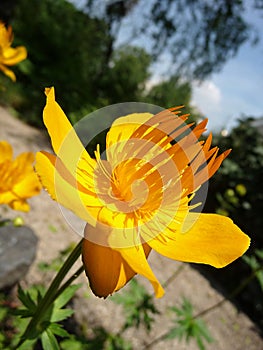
x=139, y=198
x=9, y=56
x=18, y=180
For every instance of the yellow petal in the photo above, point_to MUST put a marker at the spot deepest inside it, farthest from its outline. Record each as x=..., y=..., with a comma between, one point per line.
x=8, y=72
x=136, y=258
x=6, y=152
x=29, y=186
x=20, y=205
x=121, y=130
x=7, y=197
x=134, y=254
x=123, y=127
x=13, y=56
x=212, y=239
x=65, y=141
x=106, y=270
x=64, y=189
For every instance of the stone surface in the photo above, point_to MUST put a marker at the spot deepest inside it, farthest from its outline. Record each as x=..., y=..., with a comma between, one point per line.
x=17, y=252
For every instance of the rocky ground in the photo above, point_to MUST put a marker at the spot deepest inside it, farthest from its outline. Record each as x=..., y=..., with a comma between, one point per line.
x=231, y=329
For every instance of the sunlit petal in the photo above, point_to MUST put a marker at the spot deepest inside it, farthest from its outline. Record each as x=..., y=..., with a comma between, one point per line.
x=106, y=269
x=212, y=239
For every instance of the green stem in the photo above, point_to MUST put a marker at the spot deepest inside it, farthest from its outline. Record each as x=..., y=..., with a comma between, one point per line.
x=69, y=281
x=53, y=291
x=234, y=293
x=174, y=275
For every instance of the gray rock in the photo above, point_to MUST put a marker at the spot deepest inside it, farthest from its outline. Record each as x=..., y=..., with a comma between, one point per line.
x=17, y=252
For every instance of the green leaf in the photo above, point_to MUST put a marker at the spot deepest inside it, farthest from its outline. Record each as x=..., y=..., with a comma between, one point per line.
x=49, y=341
x=60, y=314
x=64, y=298
x=116, y=342
x=72, y=344
x=57, y=329
x=26, y=299
x=189, y=327
x=3, y=312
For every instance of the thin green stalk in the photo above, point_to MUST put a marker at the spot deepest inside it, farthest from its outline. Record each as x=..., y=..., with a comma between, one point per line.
x=69, y=281
x=52, y=292
x=234, y=293
x=174, y=275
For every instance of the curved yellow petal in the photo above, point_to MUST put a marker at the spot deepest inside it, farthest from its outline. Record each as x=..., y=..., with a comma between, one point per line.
x=8, y=72
x=121, y=130
x=123, y=127
x=105, y=268
x=13, y=56
x=63, y=188
x=64, y=139
x=212, y=239
x=135, y=256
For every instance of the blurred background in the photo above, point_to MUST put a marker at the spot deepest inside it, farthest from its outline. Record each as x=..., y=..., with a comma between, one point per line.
x=204, y=54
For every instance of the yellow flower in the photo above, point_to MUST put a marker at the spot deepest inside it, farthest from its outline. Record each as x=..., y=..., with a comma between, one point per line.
x=138, y=199
x=9, y=56
x=18, y=181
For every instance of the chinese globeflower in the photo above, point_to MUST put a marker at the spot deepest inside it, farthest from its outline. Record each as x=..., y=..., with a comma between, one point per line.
x=138, y=199
x=18, y=181
x=9, y=56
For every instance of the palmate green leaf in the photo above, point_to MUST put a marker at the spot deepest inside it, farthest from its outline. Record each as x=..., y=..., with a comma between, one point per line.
x=26, y=299
x=116, y=342
x=47, y=328
x=49, y=341
x=188, y=327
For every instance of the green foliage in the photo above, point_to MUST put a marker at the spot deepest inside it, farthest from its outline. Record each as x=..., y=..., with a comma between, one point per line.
x=116, y=342
x=188, y=327
x=138, y=306
x=238, y=182
x=126, y=79
x=236, y=191
x=71, y=51
x=198, y=44
x=173, y=92
x=48, y=327
x=65, y=49
x=101, y=340
x=255, y=262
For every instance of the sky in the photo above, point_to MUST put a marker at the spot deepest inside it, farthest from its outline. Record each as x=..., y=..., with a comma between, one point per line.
x=237, y=89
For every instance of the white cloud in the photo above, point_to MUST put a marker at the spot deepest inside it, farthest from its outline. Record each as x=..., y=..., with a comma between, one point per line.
x=207, y=97
x=205, y=94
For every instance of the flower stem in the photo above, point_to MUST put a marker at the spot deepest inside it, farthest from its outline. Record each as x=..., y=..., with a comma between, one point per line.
x=53, y=292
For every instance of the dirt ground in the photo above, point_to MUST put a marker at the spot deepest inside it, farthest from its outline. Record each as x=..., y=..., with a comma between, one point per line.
x=231, y=329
